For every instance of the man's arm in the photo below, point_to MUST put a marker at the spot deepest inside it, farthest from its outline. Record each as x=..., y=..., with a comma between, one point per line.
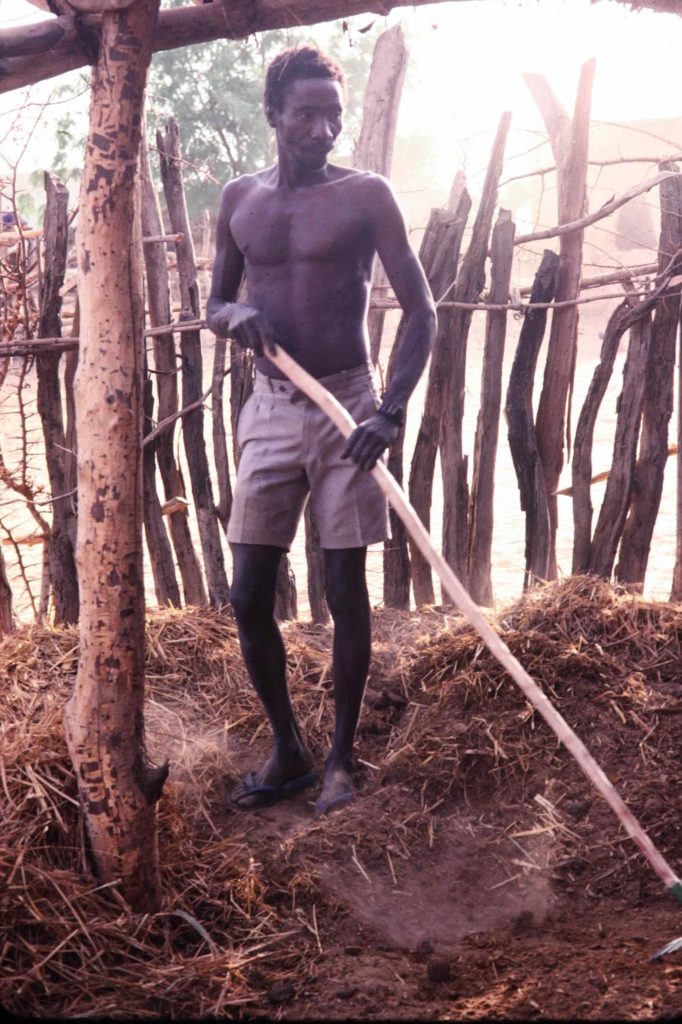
x=409, y=283
x=224, y=316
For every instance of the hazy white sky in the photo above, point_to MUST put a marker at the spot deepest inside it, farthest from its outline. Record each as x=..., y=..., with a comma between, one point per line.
x=467, y=59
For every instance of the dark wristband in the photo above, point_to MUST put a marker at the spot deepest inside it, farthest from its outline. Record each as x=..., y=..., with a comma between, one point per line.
x=393, y=412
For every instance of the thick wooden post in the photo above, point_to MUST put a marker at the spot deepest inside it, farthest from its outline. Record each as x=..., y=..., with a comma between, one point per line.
x=436, y=257
x=609, y=528
x=374, y=148
x=470, y=282
x=658, y=396
x=166, y=368
x=488, y=424
x=676, y=592
x=521, y=429
x=569, y=140
x=104, y=717
x=6, y=622
x=581, y=468
x=63, y=579
x=452, y=225
x=192, y=367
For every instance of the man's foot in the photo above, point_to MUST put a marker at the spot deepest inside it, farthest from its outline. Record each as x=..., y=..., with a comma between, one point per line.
x=278, y=779
x=337, y=790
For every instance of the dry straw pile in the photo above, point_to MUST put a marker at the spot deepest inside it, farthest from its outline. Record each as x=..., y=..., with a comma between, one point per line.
x=444, y=731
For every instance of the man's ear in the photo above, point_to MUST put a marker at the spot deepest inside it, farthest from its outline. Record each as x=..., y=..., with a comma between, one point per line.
x=271, y=116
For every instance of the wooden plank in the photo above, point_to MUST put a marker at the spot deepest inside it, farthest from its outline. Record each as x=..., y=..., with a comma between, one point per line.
x=521, y=429
x=168, y=145
x=487, y=426
x=569, y=140
x=453, y=223
x=166, y=374
x=470, y=283
x=373, y=150
x=62, y=565
x=658, y=396
x=614, y=508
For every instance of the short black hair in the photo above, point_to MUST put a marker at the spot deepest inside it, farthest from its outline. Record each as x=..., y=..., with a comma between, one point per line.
x=294, y=63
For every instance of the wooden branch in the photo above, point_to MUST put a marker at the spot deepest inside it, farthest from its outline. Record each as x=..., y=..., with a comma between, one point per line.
x=487, y=426
x=451, y=225
x=624, y=274
x=604, y=211
x=606, y=473
x=594, y=163
x=149, y=239
x=470, y=283
x=33, y=346
x=12, y=237
x=73, y=43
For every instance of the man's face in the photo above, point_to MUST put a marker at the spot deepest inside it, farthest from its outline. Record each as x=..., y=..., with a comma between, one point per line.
x=310, y=120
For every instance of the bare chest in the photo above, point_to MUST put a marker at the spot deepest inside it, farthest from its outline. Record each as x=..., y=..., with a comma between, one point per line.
x=274, y=230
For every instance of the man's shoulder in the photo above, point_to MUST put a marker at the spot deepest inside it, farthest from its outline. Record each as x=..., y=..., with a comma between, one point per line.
x=358, y=178
x=244, y=185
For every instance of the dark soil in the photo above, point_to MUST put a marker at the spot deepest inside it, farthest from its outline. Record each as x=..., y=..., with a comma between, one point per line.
x=476, y=875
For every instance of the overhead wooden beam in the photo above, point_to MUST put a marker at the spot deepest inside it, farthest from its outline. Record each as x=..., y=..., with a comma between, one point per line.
x=66, y=42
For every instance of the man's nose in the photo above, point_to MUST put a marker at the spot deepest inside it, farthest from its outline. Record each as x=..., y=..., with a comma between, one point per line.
x=322, y=129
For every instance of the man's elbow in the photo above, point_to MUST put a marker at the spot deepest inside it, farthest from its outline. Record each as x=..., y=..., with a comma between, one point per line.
x=213, y=318
x=430, y=321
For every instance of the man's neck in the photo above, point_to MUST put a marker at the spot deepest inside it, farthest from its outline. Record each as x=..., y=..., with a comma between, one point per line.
x=292, y=175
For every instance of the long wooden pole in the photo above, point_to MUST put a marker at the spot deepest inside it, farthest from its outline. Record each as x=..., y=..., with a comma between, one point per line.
x=345, y=423
x=68, y=42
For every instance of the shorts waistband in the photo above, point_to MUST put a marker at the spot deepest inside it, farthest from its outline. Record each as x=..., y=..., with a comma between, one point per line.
x=337, y=383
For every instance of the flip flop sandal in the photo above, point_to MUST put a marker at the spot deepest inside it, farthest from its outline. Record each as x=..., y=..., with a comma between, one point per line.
x=267, y=794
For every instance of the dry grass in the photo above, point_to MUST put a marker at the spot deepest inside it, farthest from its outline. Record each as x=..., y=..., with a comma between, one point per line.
x=444, y=730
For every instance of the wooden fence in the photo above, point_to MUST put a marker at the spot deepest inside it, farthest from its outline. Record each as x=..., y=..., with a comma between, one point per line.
x=187, y=500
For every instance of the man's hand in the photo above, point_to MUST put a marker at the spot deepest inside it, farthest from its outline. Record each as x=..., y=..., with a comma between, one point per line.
x=370, y=439
x=250, y=329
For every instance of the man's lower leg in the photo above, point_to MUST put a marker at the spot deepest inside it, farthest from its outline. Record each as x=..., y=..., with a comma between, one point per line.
x=253, y=601
x=349, y=604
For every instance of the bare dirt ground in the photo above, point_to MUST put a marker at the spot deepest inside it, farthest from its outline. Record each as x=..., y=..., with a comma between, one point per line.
x=477, y=875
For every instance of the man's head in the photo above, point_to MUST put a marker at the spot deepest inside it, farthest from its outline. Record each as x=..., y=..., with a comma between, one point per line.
x=289, y=66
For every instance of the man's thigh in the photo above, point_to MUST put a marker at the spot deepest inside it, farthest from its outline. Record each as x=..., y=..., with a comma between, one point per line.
x=348, y=505
x=271, y=485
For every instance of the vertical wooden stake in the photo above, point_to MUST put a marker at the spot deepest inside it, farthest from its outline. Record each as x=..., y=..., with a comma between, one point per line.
x=104, y=717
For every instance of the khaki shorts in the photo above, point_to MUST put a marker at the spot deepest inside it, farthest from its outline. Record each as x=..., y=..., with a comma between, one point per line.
x=289, y=448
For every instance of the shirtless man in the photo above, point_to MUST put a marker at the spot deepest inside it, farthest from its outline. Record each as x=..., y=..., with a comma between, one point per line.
x=305, y=232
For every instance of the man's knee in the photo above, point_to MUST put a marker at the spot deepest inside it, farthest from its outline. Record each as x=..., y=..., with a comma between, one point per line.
x=346, y=585
x=252, y=594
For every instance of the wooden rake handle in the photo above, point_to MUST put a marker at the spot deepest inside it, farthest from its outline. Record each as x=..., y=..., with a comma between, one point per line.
x=345, y=423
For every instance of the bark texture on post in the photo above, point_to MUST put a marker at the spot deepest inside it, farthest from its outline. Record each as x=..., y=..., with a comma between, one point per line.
x=521, y=429
x=319, y=610
x=6, y=622
x=619, y=321
x=192, y=386
x=676, y=592
x=158, y=544
x=104, y=718
x=166, y=368
x=569, y=140
x=488, y=425
x=63, y=577
x=609, y=528
x=440, y=266
x=658, y=396
x=374, y=148
x=450, y=225
x=470, y=283
x=220, y=456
